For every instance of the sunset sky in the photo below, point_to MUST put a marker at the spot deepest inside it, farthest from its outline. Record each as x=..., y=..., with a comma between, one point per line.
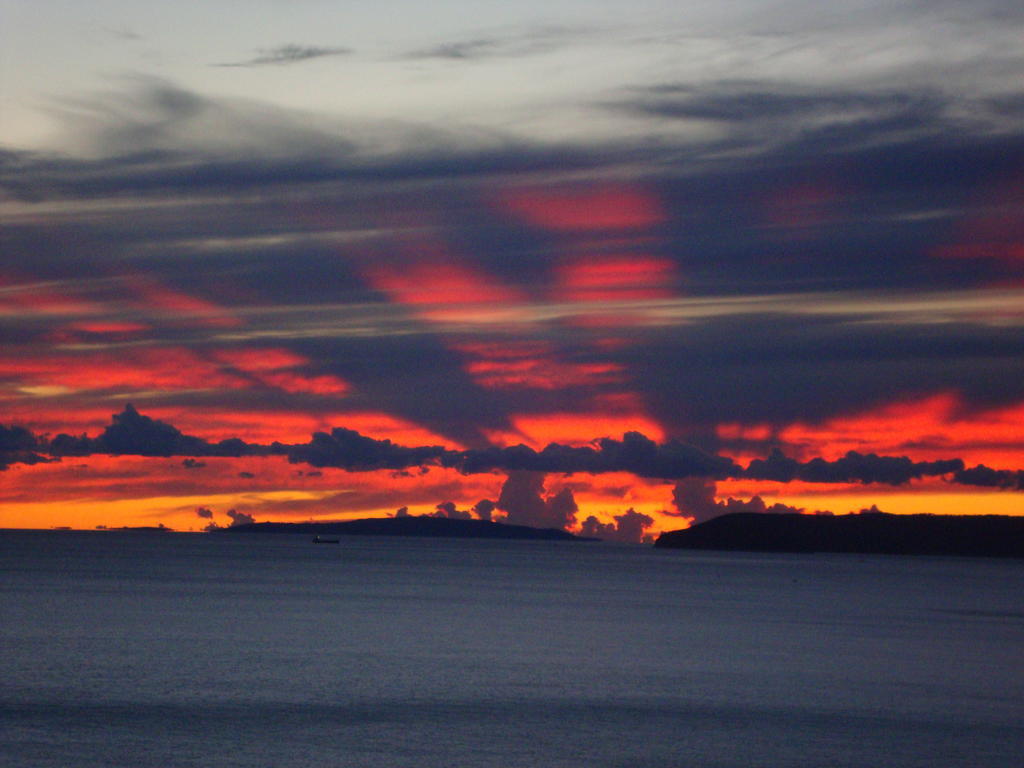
x=322, y=260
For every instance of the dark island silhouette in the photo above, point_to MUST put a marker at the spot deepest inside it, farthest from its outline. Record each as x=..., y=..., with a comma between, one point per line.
x=410, y=526
x=865, y=533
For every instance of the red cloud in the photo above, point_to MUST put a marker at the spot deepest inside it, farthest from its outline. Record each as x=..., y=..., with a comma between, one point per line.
x=614, y=278
x=531, y=365
x=184, y=308
x=584, y=209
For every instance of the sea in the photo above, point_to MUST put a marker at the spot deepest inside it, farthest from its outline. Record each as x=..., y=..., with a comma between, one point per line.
x=160, y=650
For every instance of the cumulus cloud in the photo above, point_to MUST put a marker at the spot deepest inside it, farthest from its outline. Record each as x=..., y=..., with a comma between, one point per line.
x=347, y=449
x=523, y=501
x=239, y=518
x=630, y=527
x=594, y=528
x=635, y=453
x=777, y=466
x=484, y=509
x=694, y=497
x=871, y=468
x=854, y=467
x=205, y=513
x=990, y=478
x=449, y=510
x=132, y=433
x=19, y=446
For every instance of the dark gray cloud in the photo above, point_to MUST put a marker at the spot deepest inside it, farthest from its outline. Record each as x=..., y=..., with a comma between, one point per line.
x=591, y=527
x=635, y=453
x=777, y=369
x=20, y=446
x=416, y=377
x=775, y=120
x=287, y=54
x=1011, y=104
x=132, y=433
x=854, y=467
x=986, y=477
x=754, y=101
x=449, y=510
x=348, y=449
x=630, y=527
x=205, y=513
x=239, y=518
x=523, y=501
x=694, y=497
x=484, y=509
x=825, y=221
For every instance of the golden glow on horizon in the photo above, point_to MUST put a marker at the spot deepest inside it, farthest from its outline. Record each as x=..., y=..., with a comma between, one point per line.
x=916, y=502
x=177, y=512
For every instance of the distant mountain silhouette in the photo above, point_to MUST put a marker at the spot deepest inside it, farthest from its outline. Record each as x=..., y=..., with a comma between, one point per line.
x=867, y=533
x=409, y=526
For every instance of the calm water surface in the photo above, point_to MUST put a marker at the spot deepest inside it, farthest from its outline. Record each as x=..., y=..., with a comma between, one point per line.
x=129, y=649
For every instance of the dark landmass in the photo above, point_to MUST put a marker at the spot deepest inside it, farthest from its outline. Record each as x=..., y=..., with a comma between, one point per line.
x=869, y=533
x=409, y=526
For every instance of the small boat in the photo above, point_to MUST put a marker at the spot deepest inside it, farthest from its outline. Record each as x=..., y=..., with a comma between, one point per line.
x=325, y=540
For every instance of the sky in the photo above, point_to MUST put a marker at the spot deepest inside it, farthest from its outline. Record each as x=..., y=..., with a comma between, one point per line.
x=603, y=266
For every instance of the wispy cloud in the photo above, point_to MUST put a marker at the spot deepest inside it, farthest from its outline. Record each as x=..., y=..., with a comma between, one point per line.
x=520, y=43
x=123, y=33
x=287, y=54
x=461, y=49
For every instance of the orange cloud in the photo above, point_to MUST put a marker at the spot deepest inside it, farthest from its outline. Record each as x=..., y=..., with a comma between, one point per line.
x=167, y=368
x=578, y=428
x=132, y=490
x=936, y=427
x=268, y=365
